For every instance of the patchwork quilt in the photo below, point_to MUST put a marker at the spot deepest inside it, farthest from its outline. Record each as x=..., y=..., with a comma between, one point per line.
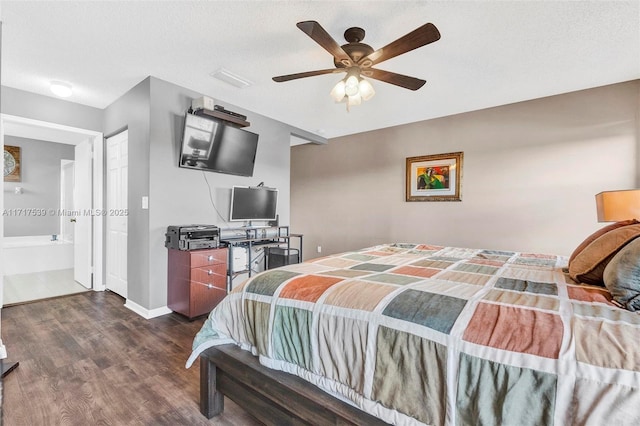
x=420, y=334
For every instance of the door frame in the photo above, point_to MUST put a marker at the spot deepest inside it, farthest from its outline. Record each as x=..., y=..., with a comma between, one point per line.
x=59, y=130
x=64, y=168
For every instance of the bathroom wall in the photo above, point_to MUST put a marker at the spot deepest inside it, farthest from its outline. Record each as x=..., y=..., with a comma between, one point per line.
x=35, y=210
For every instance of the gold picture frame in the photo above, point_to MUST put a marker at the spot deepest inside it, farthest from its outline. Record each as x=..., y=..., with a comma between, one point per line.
x=12, y=163
x=434, y=177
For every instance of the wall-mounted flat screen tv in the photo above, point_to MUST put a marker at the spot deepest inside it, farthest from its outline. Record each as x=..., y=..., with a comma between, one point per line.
x=211, y=144
x=253, y=203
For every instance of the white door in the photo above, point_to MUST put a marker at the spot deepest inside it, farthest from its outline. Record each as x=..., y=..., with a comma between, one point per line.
x=66, y=199
x=116, y=213
x=82, y=187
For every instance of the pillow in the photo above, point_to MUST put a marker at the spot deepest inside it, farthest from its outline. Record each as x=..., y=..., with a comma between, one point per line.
x=599, y=233
x=588, y=266
x=622, y=276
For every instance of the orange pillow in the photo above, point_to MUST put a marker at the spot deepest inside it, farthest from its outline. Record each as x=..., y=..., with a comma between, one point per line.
x=589, y=264
x=599, y=233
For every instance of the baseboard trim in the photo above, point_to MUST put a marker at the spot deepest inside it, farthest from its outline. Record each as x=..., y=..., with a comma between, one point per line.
x=146, y=313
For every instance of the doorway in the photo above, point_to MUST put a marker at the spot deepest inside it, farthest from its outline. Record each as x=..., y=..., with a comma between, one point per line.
x=58, y=242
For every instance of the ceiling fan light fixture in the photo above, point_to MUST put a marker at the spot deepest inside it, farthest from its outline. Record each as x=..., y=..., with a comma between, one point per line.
x=61, y=89
x=353, y=89
x=351, y=85
x=365, y=89
x=354, y=99
x=338, y=91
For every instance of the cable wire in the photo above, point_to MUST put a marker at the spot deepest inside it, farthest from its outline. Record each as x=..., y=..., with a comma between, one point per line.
x=204, y=175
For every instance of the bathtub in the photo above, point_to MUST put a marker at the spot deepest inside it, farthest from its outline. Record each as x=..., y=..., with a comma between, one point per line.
x=22, y=255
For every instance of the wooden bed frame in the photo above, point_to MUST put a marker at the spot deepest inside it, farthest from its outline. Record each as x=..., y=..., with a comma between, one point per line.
x=272, y=397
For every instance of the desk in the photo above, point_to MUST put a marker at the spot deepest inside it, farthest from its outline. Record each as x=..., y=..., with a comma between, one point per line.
x=251, y=238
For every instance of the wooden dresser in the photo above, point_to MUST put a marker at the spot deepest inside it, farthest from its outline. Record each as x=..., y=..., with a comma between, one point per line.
x=197, y=280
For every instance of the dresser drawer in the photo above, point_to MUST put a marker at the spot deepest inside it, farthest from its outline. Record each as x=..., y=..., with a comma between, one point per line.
x=214, y=274
x=203, y=298
x=201, y=258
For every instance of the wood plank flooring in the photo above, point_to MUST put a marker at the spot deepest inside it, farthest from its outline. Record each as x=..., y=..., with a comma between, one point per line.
x=87, y=360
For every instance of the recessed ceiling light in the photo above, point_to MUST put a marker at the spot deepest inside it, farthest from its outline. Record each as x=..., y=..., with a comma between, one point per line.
x=61, y=89
x=231, y=78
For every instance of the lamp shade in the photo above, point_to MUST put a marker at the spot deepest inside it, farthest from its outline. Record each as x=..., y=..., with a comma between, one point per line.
x=366, y=90
x=351, y=85
x=353, y=88
x=338, y=91
x=614, y=206
x=355, y=99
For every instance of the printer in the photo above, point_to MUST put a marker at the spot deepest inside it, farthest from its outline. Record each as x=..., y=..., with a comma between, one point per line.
x=192, y=237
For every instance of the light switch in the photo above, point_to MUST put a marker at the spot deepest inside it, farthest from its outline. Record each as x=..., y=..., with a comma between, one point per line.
x=145, y=202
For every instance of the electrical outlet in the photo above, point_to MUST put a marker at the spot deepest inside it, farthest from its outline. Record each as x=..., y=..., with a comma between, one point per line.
x=319, y=249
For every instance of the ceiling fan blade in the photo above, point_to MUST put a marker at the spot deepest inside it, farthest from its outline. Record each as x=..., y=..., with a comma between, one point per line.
x=282, y=78
x=428, y=33
x=320, y=36
x=405, y=81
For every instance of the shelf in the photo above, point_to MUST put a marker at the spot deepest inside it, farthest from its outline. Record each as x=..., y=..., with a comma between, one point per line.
x=254, y=241
x=259, y=238
x=222, y=116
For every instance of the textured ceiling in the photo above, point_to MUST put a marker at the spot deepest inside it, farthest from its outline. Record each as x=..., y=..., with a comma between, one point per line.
x=491, y=53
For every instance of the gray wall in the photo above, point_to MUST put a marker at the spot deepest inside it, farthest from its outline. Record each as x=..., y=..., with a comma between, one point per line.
x=132, y=112
x=180, y=196
x=530, y=173
x=40, y=181
x=153, y=112
x=30, y=105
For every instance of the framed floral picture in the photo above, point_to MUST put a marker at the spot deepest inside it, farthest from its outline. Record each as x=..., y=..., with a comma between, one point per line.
x=434, y=177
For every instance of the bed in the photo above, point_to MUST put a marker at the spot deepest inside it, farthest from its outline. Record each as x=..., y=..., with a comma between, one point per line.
x=418, y=334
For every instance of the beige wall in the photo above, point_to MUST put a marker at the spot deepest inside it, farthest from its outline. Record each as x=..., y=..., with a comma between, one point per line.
x=530, y=174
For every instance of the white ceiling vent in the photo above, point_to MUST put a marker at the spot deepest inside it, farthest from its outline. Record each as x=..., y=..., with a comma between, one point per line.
x=231, y=78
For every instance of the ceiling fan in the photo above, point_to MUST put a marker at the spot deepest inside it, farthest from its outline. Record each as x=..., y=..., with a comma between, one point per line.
x=357, y=60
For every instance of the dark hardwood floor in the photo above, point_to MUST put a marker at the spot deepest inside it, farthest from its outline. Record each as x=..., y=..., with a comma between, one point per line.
x=87, y=360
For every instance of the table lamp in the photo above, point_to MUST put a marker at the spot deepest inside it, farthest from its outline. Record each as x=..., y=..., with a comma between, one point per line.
x=615, y=206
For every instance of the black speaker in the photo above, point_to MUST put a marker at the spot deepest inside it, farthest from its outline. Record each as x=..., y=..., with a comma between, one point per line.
x=281, y=256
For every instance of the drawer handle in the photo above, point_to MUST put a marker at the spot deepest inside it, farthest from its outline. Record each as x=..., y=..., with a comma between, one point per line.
x=210, y=258
x=209, y=285
x=209, y=272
